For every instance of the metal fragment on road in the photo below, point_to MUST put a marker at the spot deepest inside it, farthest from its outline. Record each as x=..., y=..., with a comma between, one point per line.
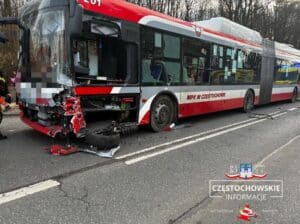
x=104, y=154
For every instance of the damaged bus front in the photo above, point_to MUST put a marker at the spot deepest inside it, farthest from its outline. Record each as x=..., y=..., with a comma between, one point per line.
x=79, y=71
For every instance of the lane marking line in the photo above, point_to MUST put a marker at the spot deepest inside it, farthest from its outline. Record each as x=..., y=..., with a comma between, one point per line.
x=259, y=164
x=292, y=109
x=26, y=191
x=187, y=138
x=148, y=156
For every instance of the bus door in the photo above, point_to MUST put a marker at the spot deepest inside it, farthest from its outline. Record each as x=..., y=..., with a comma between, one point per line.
x=101, y=56
x=195, y=76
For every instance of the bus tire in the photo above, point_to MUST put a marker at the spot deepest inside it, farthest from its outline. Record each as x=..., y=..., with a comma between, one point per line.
x=294, y=96
x=248, y=102
x=162, y=113
x=103, y=142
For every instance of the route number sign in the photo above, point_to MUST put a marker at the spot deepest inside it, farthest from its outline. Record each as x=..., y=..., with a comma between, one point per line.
x=93, y=2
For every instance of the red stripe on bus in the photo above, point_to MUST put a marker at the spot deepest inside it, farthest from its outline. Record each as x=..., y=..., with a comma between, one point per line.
x=86, y=91
x=36, y=126
x=192, y=109
x=41, y=101
x=126, y=11
x=281, y=96
x=146, y=119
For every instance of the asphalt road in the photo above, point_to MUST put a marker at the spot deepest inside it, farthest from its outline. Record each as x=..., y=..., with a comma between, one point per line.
x=156, y=178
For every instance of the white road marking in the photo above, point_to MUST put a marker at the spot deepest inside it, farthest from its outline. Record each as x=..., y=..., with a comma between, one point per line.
x=23, y=192
x=148, y=156
x=259, y=164
x=187, y=138
x=292, y=109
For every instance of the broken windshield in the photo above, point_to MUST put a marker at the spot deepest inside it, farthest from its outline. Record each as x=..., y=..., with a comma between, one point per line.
x=48, y=53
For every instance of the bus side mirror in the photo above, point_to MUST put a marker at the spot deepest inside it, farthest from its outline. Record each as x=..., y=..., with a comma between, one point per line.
x=76, y=13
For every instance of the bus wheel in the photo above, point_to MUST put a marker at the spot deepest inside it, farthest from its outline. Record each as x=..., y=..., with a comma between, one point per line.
x=295, y=95
x=248, y=102
x=162, y=113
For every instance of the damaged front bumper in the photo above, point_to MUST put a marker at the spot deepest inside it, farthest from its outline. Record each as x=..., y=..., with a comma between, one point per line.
x=62, y=119
x=49, y=131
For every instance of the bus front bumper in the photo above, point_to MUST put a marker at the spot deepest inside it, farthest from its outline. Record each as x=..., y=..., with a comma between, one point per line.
x=49, y=131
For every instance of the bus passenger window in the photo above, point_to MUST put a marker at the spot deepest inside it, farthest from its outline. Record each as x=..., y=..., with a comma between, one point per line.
x=118, y=62
x=171, y=47
x=162, y=52
x=190, y=70
x=152, y=72
x=80, y=58
x=80, y=53
x=158, y=40
x=196, y=63
x=286, y=72
x=93, y=58
x=172, y=72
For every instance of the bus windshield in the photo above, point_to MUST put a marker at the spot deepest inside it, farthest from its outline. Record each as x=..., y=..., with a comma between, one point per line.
x=48, y=54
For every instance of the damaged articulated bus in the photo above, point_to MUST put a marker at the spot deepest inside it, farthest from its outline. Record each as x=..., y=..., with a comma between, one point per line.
x=107, y=67
x=79, y=70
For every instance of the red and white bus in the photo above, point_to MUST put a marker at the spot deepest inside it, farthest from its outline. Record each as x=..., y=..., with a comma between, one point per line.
x=101, y=60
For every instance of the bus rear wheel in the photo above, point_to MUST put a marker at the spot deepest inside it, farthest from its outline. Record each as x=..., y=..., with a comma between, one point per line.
x=162, y=113
x=294, y=96
x=248, y=102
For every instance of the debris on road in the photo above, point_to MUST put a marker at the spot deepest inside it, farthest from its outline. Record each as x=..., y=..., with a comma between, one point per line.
x=177, y=127
x=104, y=154
x=170, y=127
x=59, y=150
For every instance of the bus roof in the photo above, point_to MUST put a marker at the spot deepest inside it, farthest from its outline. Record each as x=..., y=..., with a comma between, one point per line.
x=229, y=27
x=211, y=30
x=121, y=9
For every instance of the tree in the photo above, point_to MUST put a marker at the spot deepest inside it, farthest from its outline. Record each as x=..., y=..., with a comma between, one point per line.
x=243, y=12
x=9, y=51
x=286, y=22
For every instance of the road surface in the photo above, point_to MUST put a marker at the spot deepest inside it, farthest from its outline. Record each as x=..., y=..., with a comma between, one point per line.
x=154, y=178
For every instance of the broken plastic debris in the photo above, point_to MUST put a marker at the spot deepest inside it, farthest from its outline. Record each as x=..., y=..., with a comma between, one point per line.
x=170, y=127
x=104, y=154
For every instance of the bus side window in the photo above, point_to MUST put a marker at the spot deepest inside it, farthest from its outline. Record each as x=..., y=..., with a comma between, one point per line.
x=196, y=63
x=146, y=71
x=286, y=72
x=93, y=58
x=162, y=51
x=80, y=53
x=80, y=58
x=252, y=68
